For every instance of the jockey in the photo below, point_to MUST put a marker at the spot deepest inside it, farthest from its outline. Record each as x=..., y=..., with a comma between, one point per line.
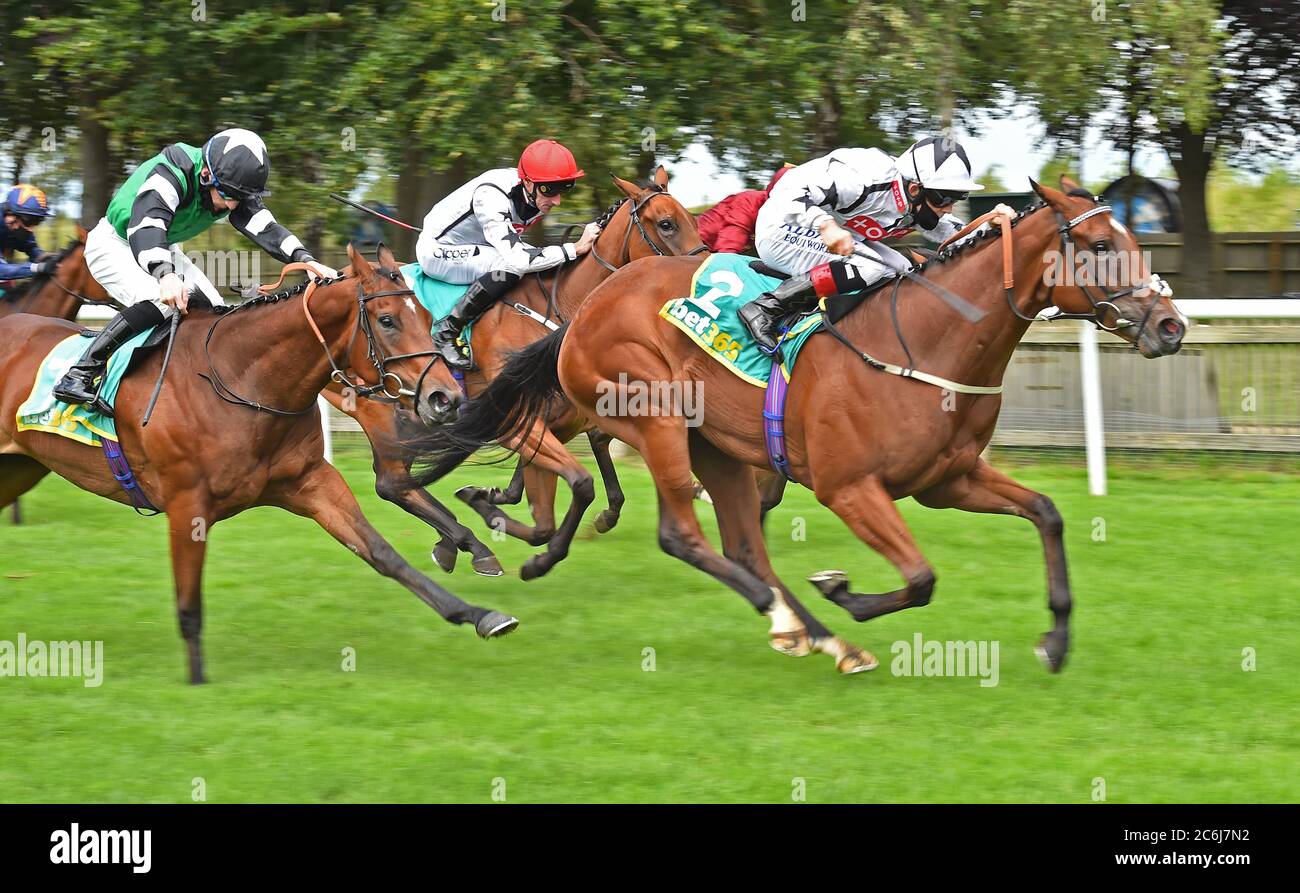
x=728, y=227
x=472, y=235
x=25, y=208
x=133, y=252
x=819, y=210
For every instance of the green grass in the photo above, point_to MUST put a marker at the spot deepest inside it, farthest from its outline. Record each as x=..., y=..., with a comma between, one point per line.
x=1193, y=569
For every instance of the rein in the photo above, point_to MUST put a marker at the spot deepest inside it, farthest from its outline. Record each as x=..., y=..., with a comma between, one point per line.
x=337, y=374
x=1096, y=317
x=634, y=212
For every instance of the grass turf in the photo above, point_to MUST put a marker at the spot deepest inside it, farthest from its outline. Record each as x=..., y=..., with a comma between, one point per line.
x=1154, y=700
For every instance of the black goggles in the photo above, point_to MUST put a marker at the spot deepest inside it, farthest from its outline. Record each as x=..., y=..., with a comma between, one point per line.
x=28, y=221
x=557, y=188
x=943, y=198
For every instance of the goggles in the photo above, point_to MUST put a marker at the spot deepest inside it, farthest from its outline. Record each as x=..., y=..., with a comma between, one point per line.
x=557, y=188
x=943, y=198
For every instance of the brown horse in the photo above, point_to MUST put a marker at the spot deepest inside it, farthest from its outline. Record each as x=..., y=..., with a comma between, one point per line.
x=648, y=222
x=210, y=451
x=859, y=438
x=61, y=293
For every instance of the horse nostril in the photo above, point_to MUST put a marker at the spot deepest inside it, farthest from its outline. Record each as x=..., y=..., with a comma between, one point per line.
x=1171, y=329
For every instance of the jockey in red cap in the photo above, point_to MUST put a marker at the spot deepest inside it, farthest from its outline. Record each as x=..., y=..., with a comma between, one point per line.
x=473, y=235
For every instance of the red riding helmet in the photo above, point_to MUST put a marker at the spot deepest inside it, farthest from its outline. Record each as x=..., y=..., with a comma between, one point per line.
x=546, y=161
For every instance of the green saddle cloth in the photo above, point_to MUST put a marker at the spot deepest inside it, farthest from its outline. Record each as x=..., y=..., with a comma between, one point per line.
x=41, y=412
x=710, y=317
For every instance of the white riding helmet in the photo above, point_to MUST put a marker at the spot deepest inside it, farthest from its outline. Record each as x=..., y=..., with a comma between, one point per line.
x=938, y=163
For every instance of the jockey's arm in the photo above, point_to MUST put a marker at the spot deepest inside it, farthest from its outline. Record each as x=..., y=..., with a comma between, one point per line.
x=25, y=242
x=492, y=208
x=257, y=224
x=152, y=213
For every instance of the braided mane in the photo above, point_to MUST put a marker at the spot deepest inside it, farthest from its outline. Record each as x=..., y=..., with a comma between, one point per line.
x=983, y=235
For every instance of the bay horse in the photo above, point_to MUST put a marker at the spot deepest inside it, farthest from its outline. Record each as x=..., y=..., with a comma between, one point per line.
x=237, y=424
x=647, y=222
x=858, y=437
x=60, y=293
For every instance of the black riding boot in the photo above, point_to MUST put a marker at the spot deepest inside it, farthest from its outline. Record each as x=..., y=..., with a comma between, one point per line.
x=81, y=384
x=763, y=314
x=482, y=294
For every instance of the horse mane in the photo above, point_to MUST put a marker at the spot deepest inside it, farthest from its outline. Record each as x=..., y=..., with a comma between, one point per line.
x=984, y=235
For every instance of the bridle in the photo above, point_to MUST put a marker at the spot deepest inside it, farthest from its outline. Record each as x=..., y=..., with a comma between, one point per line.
x=635, y=213
x=379, y=391
x=1157, y=286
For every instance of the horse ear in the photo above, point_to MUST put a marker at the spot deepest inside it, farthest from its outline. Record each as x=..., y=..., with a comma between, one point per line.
x=1068, y=185
x=1049, y=195
x=81, y=233
x=631, y=190
x=385, y=257
x=360, y=266
x=661, y=177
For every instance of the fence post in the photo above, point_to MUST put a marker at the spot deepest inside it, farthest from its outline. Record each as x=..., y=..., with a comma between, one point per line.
x=325, y=429
x=1094, y=435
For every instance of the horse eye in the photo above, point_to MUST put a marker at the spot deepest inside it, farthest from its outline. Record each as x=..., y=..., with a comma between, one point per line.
x=666, y=225
x=1101, y=246
x=387, y=321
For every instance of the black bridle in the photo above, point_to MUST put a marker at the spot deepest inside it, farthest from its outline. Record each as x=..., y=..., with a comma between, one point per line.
x=635, y=213
x=1155, y=285
x=376, y=353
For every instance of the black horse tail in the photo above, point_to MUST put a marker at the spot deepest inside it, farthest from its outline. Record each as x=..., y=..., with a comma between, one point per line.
x=517, y=397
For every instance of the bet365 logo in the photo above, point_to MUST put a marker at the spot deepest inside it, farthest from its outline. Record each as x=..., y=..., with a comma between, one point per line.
x=700, y=314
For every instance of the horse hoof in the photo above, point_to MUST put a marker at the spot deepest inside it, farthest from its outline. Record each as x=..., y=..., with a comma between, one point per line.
x=487, y=566
x=444, y=557
x=495, y=624
x=1051, y=651
x=606, y=521
x=856, y=661
x=533, y=568
x=827, y=582
x=794, y=643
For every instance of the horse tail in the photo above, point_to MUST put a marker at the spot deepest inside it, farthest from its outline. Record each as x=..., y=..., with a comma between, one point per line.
x=519, y=395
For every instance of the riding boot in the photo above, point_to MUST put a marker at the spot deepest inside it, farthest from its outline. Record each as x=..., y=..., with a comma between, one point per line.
x=473, y=304
x=763, y=315
x=81, y=384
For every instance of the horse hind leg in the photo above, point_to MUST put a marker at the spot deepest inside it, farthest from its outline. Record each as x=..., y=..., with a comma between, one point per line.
x=795, y=631
x=985, y=489
x=607, y=519
x=540, y=486
x=18, y=474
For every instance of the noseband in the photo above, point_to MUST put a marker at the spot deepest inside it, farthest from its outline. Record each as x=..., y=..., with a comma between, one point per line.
x=1157, y=286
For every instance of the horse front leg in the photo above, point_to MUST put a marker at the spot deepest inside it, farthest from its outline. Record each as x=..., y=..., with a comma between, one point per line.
x=985, y=489
x=320, y=493
x=866, y=507
x=188, y=523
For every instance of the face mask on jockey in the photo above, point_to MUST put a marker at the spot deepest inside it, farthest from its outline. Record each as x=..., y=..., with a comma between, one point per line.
x=925, y=216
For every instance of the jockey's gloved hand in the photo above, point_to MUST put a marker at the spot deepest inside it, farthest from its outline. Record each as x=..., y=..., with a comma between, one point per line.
x=44, y=265
x=317, y=270
x=836, y=238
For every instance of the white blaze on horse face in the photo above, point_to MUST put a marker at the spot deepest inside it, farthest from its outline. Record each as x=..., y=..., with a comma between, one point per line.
x=410, y=305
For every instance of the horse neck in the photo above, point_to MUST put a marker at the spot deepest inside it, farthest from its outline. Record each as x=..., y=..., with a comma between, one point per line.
x=270, y=353
x=579, y=279
x=45, y=299
x=943, y=343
